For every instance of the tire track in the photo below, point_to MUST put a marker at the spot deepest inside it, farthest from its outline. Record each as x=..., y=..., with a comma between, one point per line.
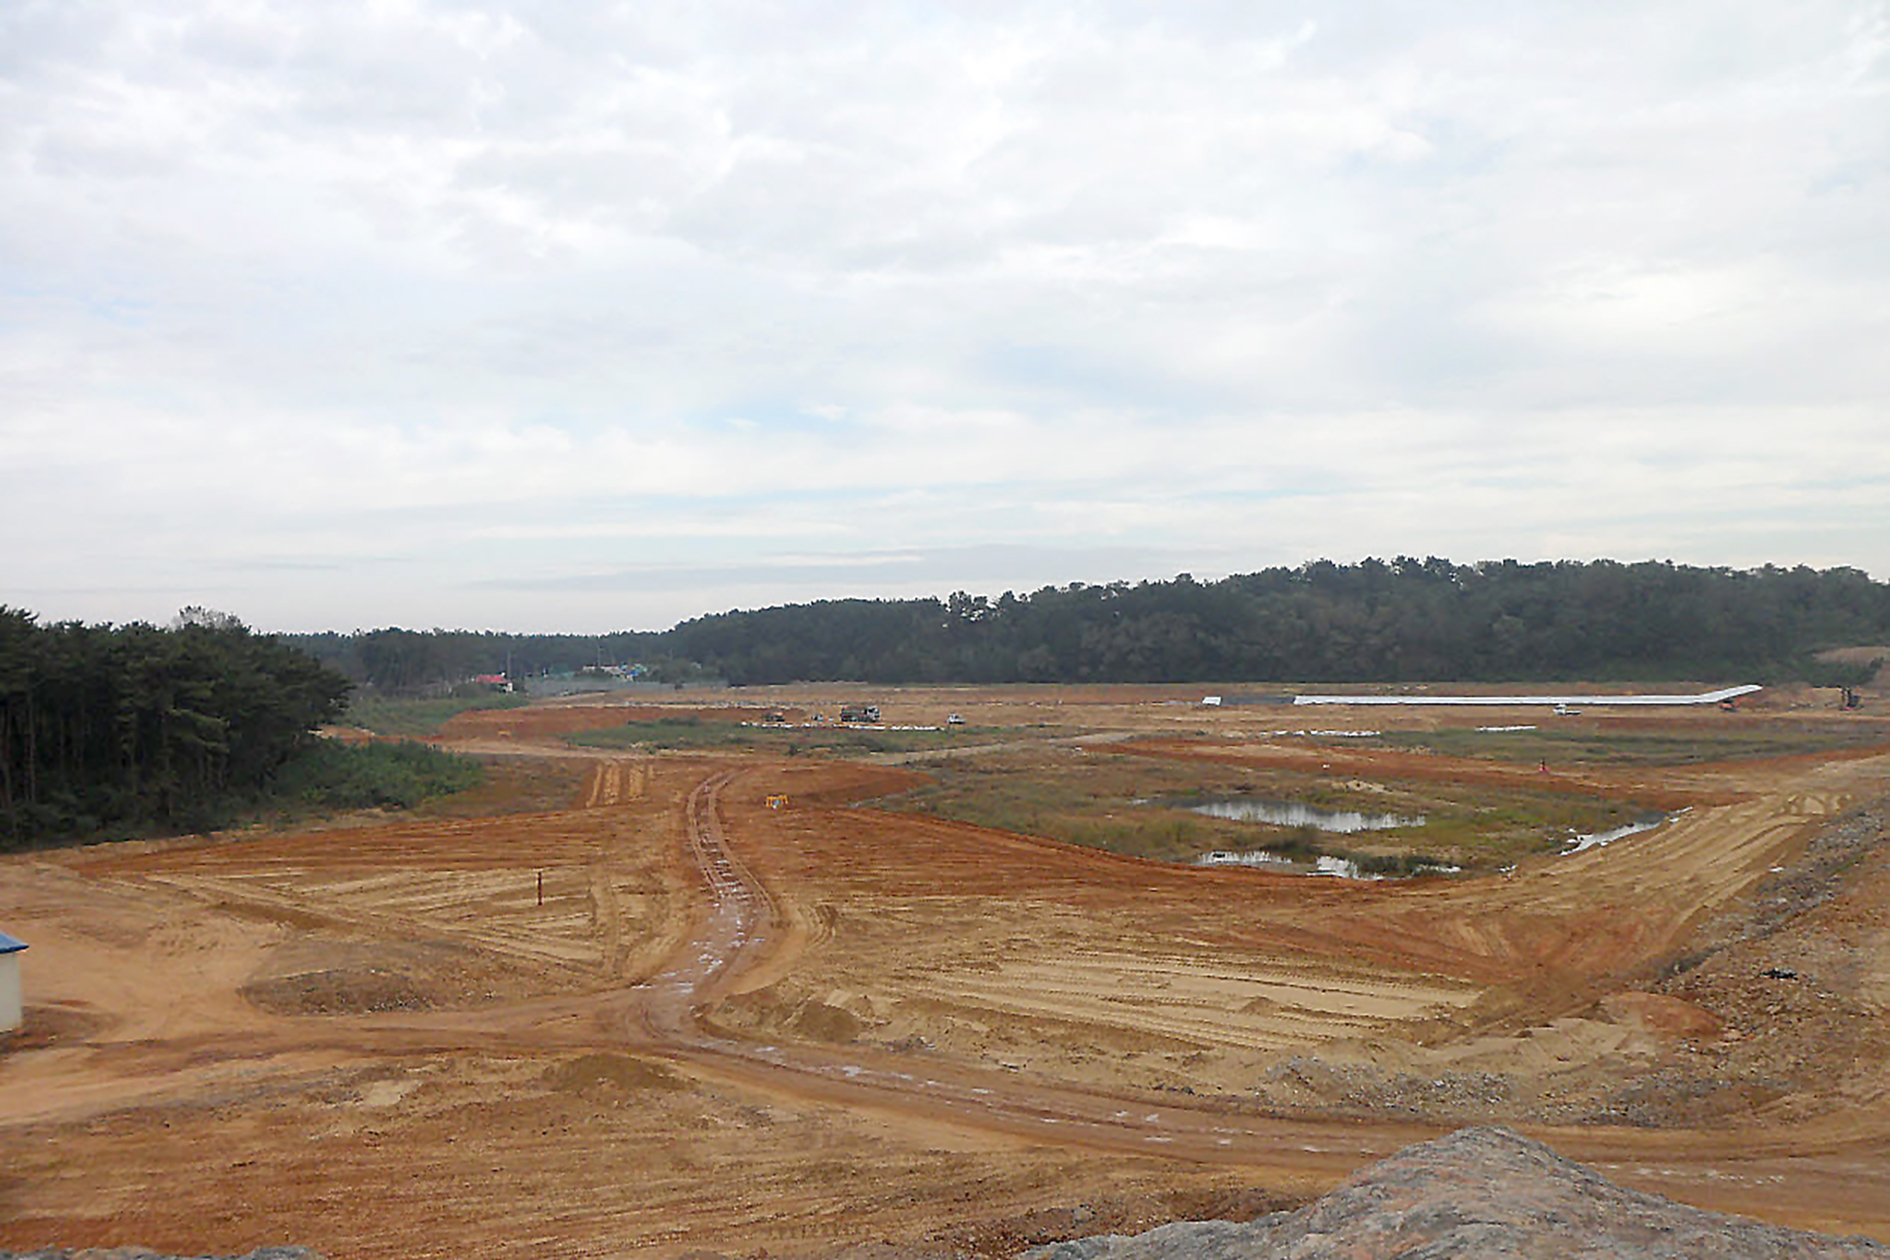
x=734, y=938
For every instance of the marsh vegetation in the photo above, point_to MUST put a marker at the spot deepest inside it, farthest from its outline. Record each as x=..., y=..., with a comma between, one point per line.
x=1149, y=808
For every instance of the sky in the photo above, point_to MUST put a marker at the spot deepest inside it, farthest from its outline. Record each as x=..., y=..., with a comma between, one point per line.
x=588, y=316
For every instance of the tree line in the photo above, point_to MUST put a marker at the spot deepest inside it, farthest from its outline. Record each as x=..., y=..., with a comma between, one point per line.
x=138, y=727
x=1402, y=620
x=405, y=662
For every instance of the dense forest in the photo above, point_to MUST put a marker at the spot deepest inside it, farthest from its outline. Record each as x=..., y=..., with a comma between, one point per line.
x=1406, y=620
x=1403, y=620
x=410, y=661
x=137, y=727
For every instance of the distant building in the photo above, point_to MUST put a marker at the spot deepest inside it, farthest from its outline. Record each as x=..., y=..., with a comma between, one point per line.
x=12, y=1004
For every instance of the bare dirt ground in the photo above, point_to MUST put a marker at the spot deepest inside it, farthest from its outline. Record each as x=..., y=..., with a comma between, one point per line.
x=734, y=1027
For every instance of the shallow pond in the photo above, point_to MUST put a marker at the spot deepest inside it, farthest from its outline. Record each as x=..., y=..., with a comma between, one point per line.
x=1293, y=814
x=1324, y=864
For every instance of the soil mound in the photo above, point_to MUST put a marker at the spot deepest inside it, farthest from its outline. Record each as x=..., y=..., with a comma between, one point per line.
x=337, y=991
x=1476, y=1193
x=610, y=1072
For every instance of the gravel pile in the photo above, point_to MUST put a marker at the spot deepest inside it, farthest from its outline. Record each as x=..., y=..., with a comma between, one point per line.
x=1477, y=1193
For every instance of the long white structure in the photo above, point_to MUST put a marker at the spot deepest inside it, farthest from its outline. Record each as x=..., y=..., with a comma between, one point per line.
x=1642, y=701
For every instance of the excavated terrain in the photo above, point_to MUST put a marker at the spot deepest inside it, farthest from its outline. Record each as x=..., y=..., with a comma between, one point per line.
x=674, y=1016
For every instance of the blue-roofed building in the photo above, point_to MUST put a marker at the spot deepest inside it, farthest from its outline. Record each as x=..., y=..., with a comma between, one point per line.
x=12, y=1005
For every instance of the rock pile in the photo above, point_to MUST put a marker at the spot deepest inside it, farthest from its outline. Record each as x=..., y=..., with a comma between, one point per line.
x=1479, y=1193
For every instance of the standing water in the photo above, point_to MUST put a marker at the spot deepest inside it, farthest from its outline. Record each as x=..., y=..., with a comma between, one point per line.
x=1596, y=840
x=1292, y=814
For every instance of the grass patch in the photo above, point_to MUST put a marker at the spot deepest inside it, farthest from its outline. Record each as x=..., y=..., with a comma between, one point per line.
x=1500, y=827
x=1599, y=746
x=333, y=775
x=1166, y=838
x=410, y=719
x=1139, y=807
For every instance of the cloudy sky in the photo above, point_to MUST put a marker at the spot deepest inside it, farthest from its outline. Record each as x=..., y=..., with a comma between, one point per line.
x=584, y=316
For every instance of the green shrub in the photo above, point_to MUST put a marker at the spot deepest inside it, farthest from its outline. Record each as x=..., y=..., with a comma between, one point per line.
x=386, y=715
x=362, y=776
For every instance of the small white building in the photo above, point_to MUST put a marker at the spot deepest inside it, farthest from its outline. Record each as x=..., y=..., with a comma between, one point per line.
x=12, y=1006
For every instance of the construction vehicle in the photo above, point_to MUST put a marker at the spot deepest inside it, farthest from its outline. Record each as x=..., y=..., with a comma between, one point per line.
x=859, y=713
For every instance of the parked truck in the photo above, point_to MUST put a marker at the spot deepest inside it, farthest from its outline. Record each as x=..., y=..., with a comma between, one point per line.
x=859, y=713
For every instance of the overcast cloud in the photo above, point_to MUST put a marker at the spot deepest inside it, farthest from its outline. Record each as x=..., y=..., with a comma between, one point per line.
x=576, y=316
